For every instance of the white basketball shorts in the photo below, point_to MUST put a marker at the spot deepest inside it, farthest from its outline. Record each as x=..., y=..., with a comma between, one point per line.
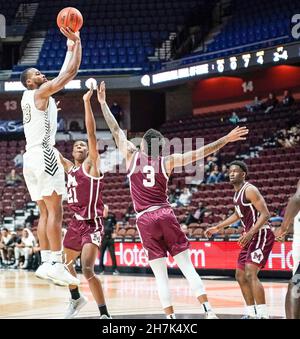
x=43, y=173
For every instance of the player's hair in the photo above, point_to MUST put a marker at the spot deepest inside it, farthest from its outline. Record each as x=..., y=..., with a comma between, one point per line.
x=155, y=142
x=24, y=76
x=241, y=164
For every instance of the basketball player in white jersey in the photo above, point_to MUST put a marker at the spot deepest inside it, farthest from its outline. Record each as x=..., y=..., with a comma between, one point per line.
x=158, y=227
x=292, y=213
x=43, y=171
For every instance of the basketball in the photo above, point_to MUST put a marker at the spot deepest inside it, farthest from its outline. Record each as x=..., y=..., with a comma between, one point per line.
x=70, y=17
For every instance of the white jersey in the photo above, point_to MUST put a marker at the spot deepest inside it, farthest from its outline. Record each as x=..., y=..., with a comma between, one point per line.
x=40, y=129
x=39, y=126
x=296, y=243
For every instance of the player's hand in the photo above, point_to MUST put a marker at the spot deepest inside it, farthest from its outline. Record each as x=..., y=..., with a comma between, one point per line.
x=280, y=234
x=57, y=105
x=245, y=239
x=69, y=34
x=210, y=231
x=88, y=94
x=101, y=94
x=237, y=134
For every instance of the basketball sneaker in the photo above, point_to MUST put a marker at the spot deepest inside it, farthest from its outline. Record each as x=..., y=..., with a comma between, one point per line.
x=104, y=316
x=42, y=271
x=60, y=275
x=210, y=315
x=75, y=306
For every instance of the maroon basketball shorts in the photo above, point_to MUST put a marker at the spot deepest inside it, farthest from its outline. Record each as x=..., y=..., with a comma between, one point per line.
x=82, y=232
x=258, y=250
x=160, y=233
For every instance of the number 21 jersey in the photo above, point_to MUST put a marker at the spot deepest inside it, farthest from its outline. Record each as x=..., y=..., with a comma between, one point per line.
x=148, y=182
x=85, y=194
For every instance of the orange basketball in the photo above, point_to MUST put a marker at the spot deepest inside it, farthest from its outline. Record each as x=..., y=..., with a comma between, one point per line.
x=70, y=17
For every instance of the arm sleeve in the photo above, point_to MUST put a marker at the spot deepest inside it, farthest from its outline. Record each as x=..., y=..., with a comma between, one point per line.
x=67, y=57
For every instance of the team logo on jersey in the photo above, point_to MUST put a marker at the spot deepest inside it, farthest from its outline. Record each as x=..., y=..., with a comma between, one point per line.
x=257, y=256
x=96, y=238
x=26, y=114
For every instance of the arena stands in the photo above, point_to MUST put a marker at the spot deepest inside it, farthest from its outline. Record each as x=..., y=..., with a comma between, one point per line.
x=251, y=26
x=116, y=34
x=274, y=170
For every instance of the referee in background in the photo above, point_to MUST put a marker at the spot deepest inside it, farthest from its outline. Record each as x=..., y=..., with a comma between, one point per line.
x=108, y=241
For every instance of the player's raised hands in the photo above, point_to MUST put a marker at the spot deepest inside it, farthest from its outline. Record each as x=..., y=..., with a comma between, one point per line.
x=89, y=93
x=101, y=93
x=239, y=133
x=69, y=34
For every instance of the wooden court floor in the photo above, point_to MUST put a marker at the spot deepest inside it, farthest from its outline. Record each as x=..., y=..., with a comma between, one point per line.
x=128, y=296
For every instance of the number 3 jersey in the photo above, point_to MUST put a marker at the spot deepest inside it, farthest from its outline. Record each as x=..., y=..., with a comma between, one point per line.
x=85, y=194
x=148, y=182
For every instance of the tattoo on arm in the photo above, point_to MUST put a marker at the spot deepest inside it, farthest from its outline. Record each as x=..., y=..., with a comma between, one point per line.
x=214, y=146
x=112, y=123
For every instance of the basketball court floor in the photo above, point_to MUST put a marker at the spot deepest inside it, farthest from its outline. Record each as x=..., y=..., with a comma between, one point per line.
x=128, y=297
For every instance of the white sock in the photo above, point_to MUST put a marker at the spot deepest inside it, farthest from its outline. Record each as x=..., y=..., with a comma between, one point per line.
x=45, y=254
x=56, y=257
x=262, y=311
x=207, y=307
x=171, y=316
x=251, y=311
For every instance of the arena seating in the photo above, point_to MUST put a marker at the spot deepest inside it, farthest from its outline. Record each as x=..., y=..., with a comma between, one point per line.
x=274, y=170
x=120, y=36
x=259, y=25
x=9, y=9
x=117, y=34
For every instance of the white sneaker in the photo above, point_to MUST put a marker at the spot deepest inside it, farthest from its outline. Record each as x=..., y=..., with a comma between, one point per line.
x=25, y=265
x=104, y=316
x=210, y=315
x=75, y=306
x=60, y=275
x=42, y=271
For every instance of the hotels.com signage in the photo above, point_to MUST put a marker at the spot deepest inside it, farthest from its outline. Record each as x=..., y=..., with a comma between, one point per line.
x=205, y=255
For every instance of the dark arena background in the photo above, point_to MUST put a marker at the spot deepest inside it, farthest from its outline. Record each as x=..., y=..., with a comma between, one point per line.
x=192, y=69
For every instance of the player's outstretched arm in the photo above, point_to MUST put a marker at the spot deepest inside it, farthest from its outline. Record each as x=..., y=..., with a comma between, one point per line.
x=126, y=147
x=227, y=222
x=67, y=164
x=179, y=160
x=90, y=123
x=292, y=210
x=58, y=83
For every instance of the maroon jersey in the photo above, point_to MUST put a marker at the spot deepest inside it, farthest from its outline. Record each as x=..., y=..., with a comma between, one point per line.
x=148, y=182
x=84, y=194
x=246, y=211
